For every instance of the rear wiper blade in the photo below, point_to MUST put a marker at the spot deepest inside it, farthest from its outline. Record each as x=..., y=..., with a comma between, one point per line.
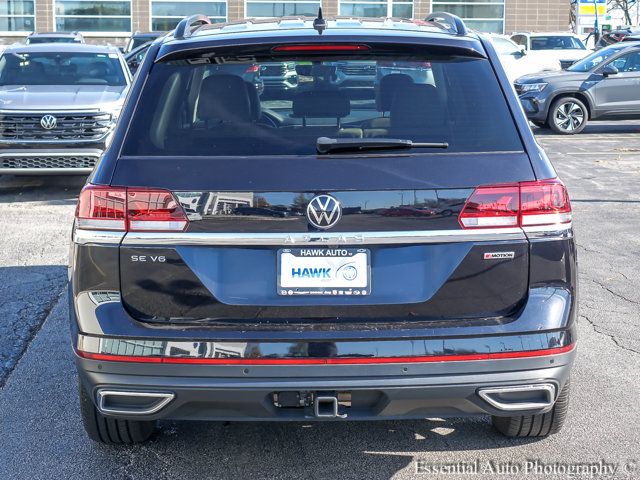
x=326, y=145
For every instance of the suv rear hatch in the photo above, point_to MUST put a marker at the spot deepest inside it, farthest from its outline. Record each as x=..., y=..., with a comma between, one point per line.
x=234, y=240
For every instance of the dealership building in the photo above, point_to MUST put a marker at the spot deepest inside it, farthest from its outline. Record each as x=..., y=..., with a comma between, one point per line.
x=113, y=20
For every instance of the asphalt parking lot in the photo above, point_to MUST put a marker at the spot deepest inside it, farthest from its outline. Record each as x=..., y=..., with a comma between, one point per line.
x=40, y=431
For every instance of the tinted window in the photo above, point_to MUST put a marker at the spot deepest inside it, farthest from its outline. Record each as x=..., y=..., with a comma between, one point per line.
x=34, y=40
x=591, y=61
x=61, y=69
x=226, y=109
x=556, y=42
x=504, y=46
x=627, y=63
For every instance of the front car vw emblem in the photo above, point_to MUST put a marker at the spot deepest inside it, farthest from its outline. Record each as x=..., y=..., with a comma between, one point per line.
x=48, y=122
x=324, y=211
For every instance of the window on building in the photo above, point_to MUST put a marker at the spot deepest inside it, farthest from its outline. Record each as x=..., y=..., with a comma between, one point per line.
x=165, y=14
x=377, y=8
x=17, y=16
x=482, y=15
x=270, y=8
x=93, y=15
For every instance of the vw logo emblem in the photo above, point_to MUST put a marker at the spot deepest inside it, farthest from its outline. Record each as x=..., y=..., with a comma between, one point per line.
x=324, y=211
x=48, y=122
x=349, y=272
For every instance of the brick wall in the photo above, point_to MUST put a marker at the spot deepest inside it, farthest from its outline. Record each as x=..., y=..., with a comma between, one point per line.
x=537, y=15
x=421, y=8
x=520, y=15
x=141, y=15
x=44, y=16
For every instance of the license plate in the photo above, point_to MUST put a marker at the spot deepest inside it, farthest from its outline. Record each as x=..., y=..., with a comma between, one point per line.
x=324, y=271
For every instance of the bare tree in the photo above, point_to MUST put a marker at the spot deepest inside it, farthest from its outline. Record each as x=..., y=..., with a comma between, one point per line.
x=625, y=6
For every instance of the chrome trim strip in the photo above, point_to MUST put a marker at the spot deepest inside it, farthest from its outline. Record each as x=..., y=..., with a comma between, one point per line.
x=39, y=111
x=14, y=143
x=89, y=152
x=45, y=171
x=97, y=237
x=163, y=400
x=549, y=389
x=324, y=238
x=549, y=232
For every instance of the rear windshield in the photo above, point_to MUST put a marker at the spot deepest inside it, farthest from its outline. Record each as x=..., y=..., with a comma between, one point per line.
x=216, y=107
x=61, y=69
x=34, y=40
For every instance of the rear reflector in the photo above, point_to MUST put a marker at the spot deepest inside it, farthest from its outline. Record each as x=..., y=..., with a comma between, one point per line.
x=129, y=209
x=541, y=202
x=327, y=361
x=321, y=48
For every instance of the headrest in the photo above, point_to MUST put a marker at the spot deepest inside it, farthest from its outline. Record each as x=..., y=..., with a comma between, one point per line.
x=224, y=98
x=321, y=104
x=254, y=101
x=417, y=106
x=389, y=86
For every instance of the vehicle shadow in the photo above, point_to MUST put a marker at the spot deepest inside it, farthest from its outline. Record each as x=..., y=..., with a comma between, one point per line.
x=593, y=128
x=308, y=450
x=53, y=189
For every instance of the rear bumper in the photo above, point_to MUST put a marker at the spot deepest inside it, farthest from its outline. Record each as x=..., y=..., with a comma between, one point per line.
x=384, y=392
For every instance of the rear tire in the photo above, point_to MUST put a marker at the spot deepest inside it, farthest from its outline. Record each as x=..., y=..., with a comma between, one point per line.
x=540, y=425
x=111, y=430
x=568, y=116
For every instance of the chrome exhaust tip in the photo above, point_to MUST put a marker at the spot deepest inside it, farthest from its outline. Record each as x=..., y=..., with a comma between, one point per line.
x=125, y=402
x=520, y=397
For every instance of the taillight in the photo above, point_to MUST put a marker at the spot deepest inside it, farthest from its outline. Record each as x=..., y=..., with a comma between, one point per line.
x=542, y=202
x=102, y=208
x=491, y=207
x=154, y=210
x=252, y=69
x=129, y=209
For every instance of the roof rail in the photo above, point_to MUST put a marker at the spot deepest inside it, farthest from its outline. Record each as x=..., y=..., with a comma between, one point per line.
x=183, y=30
x=451, y=22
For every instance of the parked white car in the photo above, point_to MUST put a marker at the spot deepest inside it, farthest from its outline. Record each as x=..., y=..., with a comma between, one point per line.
x=562, y=46
x=517, y=62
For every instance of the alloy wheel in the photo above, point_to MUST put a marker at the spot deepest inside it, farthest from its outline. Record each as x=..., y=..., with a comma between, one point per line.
x=569, y=116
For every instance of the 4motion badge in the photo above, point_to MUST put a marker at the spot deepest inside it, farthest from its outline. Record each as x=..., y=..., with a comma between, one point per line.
x=499, y=255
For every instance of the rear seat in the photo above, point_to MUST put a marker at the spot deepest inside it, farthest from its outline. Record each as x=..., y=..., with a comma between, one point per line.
x=416, y=113
x=389, y=87
x=322, y=104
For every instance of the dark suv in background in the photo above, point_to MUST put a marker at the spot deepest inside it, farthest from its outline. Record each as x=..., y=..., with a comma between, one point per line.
x=602, y=86
x=323, y=256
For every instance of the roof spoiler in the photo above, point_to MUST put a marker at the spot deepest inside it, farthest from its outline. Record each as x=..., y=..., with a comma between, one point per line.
x=183, y=30
x=448, y=21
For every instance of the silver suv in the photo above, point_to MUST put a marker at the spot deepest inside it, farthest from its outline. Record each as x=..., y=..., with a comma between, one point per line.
x=58, y=106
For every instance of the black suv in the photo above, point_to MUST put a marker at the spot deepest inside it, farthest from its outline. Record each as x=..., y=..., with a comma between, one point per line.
x=234, y=257
x=601, y=86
